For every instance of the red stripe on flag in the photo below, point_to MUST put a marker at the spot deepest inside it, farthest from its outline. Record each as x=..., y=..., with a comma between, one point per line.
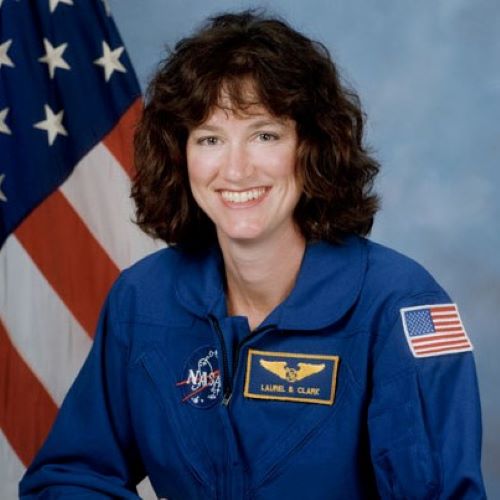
x=451, y=329
x=464, y=346
x=27, y=411
x=69, y=257
x=429, y=338
x=446, y=323
x=120, y=141
x=439, y=309
x=420, y=348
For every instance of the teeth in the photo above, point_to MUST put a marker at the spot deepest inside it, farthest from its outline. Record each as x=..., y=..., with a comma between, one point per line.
x=242, y=196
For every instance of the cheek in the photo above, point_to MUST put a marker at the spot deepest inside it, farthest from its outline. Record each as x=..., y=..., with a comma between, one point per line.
x=201, y=170
x=200, y=176
x=197, y=191
x=195, y=183
x=285, y=169
x=196, y=175
x=284, y=164
x=194, y=165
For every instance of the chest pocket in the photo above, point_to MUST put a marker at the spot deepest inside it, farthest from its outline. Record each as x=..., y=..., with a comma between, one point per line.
x=285, y=430
x=183, y=451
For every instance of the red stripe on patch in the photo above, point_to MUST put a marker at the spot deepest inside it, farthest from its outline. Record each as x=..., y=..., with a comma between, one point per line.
x=437, y=337
x=439, y=309
x=450, y=329
x=464, y=346
x=420, y=348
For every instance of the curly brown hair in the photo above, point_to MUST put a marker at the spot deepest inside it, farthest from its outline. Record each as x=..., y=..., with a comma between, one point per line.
x=293, y=77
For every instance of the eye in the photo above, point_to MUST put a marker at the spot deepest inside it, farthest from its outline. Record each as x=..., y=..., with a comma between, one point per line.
x=208, y=140
x=267, y=137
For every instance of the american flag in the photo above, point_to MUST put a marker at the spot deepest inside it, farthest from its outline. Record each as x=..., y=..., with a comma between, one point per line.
x=69, y=99
x=433, y=330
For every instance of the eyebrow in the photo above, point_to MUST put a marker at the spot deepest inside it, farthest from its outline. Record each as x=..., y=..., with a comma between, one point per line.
x=254, y=125
x=209, y=128
x=267, y=122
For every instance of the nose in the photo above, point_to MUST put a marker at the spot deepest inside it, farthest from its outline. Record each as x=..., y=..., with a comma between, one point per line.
x=237, y=164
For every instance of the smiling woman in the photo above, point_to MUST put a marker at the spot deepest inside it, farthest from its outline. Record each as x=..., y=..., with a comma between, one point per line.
x=244, y=67
x=272, y=351
x=243, y=175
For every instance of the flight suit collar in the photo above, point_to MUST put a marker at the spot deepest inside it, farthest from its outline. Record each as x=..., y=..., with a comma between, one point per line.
x=328, y=284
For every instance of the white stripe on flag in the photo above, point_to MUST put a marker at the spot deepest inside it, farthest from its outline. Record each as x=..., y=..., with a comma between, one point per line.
x=42, y=329
x=11, y=469
x=99, y=190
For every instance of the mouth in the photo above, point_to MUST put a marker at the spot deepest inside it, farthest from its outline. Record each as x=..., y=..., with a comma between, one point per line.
x=248, y=197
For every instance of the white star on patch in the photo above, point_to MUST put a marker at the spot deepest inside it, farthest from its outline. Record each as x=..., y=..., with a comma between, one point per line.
x=4, y=58
x=53, y=57
x=110, y=60
x=2, y=195
x=4, y=128
x=54, y=3
x=52, y=124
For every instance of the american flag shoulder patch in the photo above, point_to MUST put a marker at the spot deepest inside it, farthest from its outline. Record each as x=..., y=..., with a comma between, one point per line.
x=434, y=330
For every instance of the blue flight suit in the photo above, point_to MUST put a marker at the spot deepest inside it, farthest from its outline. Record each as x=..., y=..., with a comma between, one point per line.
x=324, y=400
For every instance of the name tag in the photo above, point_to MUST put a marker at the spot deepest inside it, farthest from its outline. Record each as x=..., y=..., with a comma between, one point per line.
x=286, y=376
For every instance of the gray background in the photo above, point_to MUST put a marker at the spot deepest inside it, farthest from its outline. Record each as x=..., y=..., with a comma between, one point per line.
x=428, y=73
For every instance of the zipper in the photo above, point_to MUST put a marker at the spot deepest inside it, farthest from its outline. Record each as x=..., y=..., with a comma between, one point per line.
x=231, y=451
x=247, y=339
x=228, y=382
x=228, y=386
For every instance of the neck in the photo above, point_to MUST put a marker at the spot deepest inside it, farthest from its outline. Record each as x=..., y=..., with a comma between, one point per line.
x=261, y=275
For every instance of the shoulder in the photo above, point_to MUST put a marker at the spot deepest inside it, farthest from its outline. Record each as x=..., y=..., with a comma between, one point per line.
x=392, y=283
x=408, y=309
x=145, y=291
x=390, y=272
x=156, y=271
x=153, y=269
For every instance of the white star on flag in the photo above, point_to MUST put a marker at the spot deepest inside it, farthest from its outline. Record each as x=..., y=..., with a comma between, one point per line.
x=52, y=124
x=4, y=128
x=110, y=60
x=4, y=58
x=54, y=3
x=2, y=196
x=53, y=57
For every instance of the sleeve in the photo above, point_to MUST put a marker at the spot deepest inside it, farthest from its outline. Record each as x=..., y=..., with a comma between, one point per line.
x=90, y=451
x=424, y=417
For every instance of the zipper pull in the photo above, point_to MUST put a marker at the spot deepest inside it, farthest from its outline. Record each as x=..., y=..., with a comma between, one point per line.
x=227, y=398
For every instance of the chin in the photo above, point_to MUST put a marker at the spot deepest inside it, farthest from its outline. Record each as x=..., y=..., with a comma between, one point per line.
x=241, y=235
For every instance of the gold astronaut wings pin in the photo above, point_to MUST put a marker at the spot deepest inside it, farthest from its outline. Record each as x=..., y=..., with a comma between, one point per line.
x=285, y=376
x=283, y=371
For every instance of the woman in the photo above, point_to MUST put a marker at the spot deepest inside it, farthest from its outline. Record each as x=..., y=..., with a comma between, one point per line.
x=272, y=351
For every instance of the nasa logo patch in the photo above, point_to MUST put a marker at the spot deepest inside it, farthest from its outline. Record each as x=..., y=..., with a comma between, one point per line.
x=201, y=383
x=295, y=377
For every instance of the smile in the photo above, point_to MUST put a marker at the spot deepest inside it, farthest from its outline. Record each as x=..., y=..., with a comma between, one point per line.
x=243, y=196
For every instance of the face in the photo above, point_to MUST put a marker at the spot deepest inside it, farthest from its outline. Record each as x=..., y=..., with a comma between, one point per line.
x=242, y=173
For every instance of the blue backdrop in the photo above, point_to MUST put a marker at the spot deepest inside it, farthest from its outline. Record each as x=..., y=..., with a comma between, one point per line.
x=429, y=75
